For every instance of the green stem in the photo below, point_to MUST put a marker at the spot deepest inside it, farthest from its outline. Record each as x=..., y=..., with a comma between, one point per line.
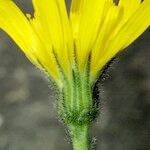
x=79, y=137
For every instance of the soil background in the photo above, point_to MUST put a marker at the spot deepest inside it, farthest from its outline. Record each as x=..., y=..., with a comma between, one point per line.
x=28, y=116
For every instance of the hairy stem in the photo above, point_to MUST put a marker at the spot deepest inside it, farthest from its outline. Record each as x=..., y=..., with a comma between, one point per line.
x=79, y=136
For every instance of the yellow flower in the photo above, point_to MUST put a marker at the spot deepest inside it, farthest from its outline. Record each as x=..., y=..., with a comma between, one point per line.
x=91, y=33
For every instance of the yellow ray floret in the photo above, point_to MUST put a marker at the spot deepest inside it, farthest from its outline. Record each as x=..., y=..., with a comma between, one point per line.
x=53, y=19
x=121, y=35
x=54, y=38
x=31, y=35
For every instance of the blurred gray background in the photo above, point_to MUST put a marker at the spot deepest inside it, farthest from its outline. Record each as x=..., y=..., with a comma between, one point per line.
x=28, y=116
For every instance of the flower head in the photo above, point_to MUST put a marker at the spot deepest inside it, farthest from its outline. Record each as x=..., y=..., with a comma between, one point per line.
x=90, y=34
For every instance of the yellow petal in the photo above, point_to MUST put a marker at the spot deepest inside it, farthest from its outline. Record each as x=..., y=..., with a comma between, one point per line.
x=130, y=6
x=51, y=15
x=75, y=15
x=132, y=29
x=13, y=22
x=66, y=29
x=100, y=27
x=76, y=5
x=112, y=19
x=129, y=31
x=86, y=27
